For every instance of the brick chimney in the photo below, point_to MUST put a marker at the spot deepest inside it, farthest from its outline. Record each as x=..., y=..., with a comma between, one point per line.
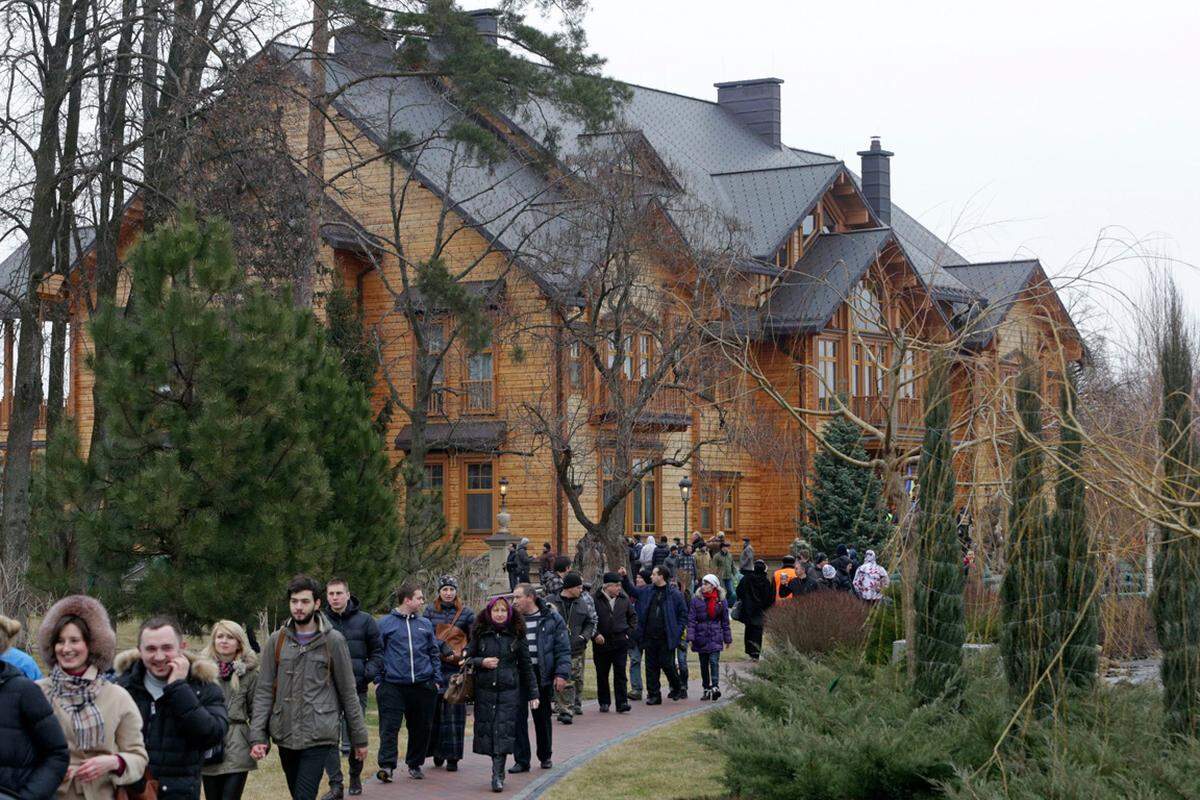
x=877, y=180
x=756, y=105
x=487, y=22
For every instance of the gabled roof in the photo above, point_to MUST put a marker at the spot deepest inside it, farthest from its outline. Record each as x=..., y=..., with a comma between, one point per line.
x=999, y=285
x=14, y=271
x=771, y=202
x=809, y=294
x=718, y=163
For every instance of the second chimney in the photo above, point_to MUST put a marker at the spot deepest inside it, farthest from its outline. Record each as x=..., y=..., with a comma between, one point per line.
x=756, y=105
x=877, y=180
x=487, y=22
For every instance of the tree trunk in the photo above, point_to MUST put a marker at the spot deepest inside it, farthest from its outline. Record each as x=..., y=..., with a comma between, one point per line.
x=307, y=276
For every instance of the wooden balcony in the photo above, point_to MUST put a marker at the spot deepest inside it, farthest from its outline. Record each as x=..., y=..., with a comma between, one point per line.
x=474, y=398
x=478, y=397
x=874, y=409
x=666, y=410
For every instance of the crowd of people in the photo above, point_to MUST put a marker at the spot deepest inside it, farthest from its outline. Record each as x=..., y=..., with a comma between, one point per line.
x=184, y=722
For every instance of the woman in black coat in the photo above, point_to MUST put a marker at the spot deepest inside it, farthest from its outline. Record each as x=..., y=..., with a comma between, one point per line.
x=503, y=678
x=756, y=595
x=33, y=750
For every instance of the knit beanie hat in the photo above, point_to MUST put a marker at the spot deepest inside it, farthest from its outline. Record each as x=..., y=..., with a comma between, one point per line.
x=611, y=577
x=828, y=572
x=447, y=580
x=711, y=579
x=571, y=580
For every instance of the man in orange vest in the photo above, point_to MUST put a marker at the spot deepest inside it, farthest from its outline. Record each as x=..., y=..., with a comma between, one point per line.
x=783, y=575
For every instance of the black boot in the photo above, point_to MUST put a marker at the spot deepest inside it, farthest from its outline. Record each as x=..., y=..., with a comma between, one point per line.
x=498, y=773
x=355, y=774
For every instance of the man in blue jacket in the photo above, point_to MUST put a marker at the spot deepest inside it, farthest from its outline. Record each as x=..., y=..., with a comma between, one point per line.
x=662, y=618
x=408, y=686
x=550, y=650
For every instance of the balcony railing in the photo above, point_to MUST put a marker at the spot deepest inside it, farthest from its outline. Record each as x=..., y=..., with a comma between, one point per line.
x=6, y=406
x=479, y=397
x=874, y=409
x=666, y=408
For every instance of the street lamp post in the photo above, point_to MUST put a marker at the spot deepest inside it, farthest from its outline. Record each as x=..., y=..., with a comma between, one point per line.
x=685, y=491
x=498, y=544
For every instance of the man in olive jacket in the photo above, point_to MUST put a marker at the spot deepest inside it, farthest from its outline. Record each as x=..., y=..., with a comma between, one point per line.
x=306, y=683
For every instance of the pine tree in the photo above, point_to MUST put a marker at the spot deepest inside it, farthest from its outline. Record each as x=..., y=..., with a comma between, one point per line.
x=1077, y=562
x=1177, y=584
x=238, y=453
x=940, y=628
x=846, y=505
x=1029, y=593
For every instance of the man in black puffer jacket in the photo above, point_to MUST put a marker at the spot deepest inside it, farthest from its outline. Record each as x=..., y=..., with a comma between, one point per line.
x=361, y=633
x=33, y=750
x=182, y=706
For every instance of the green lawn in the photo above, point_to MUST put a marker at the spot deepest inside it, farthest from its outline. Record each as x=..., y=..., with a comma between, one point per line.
x=642, y=767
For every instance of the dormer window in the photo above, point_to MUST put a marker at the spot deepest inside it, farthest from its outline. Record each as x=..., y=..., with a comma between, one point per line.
x=808, y=225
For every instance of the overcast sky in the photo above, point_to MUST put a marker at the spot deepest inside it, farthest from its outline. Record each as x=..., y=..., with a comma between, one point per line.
x=1019, y=128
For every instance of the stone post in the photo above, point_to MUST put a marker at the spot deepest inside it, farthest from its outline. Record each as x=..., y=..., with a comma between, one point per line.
x=498, y=544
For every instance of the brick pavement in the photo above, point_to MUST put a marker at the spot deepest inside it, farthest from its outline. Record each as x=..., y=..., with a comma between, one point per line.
x=574, y=745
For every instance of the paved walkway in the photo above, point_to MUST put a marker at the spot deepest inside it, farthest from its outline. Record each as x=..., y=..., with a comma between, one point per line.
x=574, y=745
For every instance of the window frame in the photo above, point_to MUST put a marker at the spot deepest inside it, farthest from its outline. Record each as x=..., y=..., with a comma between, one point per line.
x=490, y=353
x=654, y=478
x=465, y=493
x=711, y=497
x=827, y=390
x=444, y=463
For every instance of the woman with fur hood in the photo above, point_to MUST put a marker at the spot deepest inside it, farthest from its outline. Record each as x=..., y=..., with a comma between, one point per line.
x=708, y=631
x=237, y=674
x=100, y=720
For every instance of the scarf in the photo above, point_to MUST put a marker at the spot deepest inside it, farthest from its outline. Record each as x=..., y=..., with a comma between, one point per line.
x=226, y=669
x=499, y=626
x=710, y=597
x=77, y=696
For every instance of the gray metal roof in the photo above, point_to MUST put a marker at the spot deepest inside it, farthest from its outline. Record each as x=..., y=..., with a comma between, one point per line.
x=14, y=271
x=999, y=284
x=760, y=191
x=822, y=280
x=769, y=202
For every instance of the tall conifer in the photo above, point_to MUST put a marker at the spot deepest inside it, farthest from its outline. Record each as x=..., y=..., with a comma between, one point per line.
x=1177, y=588
x=1077, y=561
x=940, y=627
x=1029, y=594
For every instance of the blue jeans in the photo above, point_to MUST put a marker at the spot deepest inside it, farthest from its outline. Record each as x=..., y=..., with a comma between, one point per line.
x=635, y=667
x=710, y=669
x=681, y=664
x=729, y=591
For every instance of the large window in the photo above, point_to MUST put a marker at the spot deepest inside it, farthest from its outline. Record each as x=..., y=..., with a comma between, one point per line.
x=642, y=504
x=480, y=385
x=433, y=485
x=434, y=335
x=478, y=496
x=717, y=501
x=575, y=365
x=827, y=373
x=867, y=369
x=866, y=314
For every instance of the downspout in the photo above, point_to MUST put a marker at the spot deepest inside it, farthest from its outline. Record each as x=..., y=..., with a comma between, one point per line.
x=560, y=419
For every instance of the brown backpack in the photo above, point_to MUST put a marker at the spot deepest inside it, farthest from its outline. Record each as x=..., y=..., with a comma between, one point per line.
x=454, y=637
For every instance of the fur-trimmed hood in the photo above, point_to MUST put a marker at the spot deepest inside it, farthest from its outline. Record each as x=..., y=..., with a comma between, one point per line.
x=102, y=647
x=202, y=669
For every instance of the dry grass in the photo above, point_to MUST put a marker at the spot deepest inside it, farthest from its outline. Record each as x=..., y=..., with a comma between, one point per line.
x=647, y=766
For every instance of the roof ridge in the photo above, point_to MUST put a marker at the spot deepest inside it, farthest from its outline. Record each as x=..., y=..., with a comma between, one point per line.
x=778, y=169
x=993, y=263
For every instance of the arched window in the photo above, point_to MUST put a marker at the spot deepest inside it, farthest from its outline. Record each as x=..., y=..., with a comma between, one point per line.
x=866, y=313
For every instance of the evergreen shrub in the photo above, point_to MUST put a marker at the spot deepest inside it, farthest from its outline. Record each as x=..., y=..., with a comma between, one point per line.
x=841, y=729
